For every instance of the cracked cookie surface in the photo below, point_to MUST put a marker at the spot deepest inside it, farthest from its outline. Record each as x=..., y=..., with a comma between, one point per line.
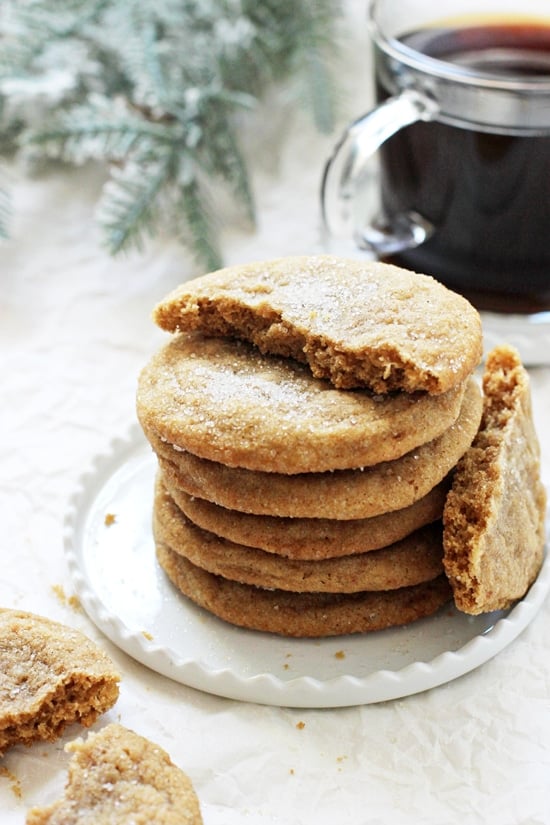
x=51, y=676
x=495, y=511
x=355, y=323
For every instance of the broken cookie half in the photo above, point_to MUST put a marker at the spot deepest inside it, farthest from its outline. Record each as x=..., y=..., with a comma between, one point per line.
x=51, y=676
x=356, y=323
x=117, y=777
x=494, y=516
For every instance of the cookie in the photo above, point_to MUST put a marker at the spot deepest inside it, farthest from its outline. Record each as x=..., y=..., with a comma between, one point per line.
x=312, y=615
x=495, y=511
x=51, y=676
x=116, y=777
x=414, y=559
x=356, y=323
x=224, y=401
x=311, y=538
x=344, y=494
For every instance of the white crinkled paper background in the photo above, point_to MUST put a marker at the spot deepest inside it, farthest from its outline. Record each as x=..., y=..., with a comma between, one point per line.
x=75, y=329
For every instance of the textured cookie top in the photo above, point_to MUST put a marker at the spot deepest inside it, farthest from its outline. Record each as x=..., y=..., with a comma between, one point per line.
x=116, y=778
x=357, y=323
x=341, y=494
x=494, y=514
x=50, y=676
x=223, y=400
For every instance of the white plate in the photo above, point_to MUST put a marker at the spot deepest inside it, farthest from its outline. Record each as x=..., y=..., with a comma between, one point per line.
x=129, y=598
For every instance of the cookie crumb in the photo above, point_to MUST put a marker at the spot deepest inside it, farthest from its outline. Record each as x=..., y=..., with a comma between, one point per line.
x=340, y=654
x=66, y=601
x=300, y=725
x=15, y=784
x=74, y=602
x=59, y=592
x=110, y=519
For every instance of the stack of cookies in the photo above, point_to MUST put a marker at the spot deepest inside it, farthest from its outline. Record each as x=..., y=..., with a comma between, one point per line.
x=307, y=415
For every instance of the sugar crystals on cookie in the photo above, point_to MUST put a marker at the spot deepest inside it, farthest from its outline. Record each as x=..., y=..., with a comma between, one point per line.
x=301, y=393
x=355, y=323
x=51, y=676
x=117, y=777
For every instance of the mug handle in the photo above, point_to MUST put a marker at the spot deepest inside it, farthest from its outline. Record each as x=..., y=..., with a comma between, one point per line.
x=345, y=178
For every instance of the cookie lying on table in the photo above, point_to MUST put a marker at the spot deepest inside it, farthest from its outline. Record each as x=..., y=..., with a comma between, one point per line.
x=116, y=778
x=50, y=676
x=356, y=323
x=494, y=515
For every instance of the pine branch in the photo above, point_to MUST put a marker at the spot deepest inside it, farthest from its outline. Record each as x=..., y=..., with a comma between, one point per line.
x=312, y=61
x=5, y=212
x=129, y=205
x=222, y=157
x=91, y=132
x=153, y=90
x=197, y=228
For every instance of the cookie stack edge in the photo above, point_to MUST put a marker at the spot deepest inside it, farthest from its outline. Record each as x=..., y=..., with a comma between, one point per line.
x=255, y=451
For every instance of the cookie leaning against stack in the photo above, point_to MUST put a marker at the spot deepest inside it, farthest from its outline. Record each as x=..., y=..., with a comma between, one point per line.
x=494, y=515
x=314, y=407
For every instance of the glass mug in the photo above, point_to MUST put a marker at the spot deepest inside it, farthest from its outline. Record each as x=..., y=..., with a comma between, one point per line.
x=461, y=133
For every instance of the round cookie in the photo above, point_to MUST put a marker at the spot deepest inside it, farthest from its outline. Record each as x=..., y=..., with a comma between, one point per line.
x=357, y=323
x=414, y=559
x=344, y=494
x=302, y=614
x=224, y=401
x=312, y=538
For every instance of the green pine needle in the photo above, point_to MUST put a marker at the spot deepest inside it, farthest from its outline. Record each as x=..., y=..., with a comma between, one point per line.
x=198, y=229
x=5, y=213
x=153, y=91
x=129, y=206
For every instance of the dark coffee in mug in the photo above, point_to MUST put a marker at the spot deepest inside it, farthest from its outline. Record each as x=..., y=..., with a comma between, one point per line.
x=486, y=193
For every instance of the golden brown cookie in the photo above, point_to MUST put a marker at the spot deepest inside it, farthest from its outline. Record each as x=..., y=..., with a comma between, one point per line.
x=357, y=323
x=414, y=559
x=302, y=614
x=344, y=494
x=50, y=676
x=494, y=516
x=224, y=401
x=313, y=538
x=116, y=778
